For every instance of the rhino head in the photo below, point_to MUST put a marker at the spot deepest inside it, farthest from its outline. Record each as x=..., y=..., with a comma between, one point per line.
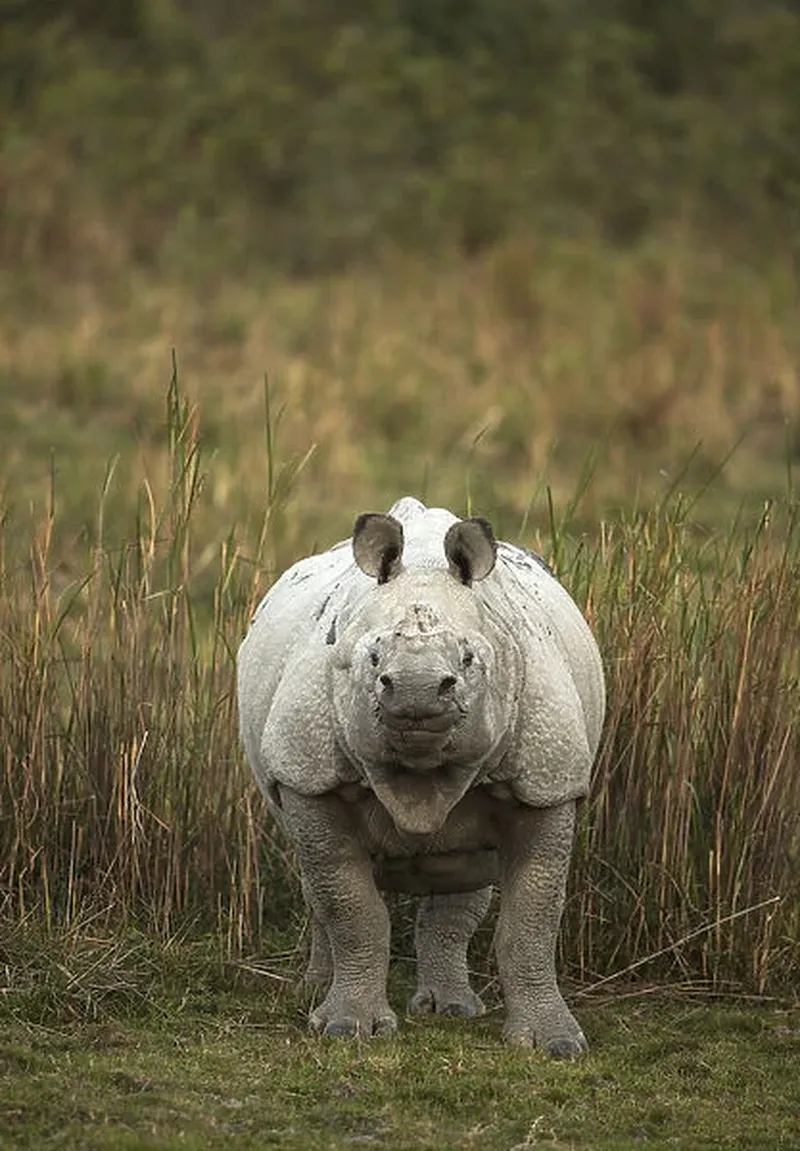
x=424, y=684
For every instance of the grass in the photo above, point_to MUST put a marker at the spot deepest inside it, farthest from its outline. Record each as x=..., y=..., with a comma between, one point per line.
x=635, y=419
x=124, y=794
x=202, y=1061
x=513, y=367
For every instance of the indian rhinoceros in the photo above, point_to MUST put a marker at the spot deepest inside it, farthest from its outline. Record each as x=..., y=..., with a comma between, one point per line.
x=421, y=706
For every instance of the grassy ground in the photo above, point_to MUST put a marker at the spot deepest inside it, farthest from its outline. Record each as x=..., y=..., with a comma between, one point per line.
x=213, y=1068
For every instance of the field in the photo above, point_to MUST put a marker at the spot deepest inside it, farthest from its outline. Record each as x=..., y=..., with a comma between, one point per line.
x=261, y=273
x=212, y=1069
x=632, y=417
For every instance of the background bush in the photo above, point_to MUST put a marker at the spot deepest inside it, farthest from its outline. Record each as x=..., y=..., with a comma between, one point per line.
x=310, y=134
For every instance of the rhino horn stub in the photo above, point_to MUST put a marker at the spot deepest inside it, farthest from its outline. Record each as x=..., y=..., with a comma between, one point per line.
x=471, y=549
x=378, y=545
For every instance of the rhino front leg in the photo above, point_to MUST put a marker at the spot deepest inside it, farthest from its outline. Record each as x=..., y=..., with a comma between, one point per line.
x=319, y=971
x=535, y=850
x=445, y=925
x=347, y=911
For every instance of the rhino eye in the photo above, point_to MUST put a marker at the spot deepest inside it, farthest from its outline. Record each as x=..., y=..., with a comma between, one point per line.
x=374, y=658
x=468, y=659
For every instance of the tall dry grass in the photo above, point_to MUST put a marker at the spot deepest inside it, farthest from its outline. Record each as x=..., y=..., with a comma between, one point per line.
x=690, y=846
x=124, y=801
x=490, y=373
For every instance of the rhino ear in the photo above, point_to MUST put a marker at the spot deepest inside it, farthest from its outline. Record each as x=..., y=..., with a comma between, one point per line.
x=471, y=549
x=378, y=545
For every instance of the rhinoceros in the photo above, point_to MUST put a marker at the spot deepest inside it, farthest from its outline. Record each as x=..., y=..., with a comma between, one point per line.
x=421, y=707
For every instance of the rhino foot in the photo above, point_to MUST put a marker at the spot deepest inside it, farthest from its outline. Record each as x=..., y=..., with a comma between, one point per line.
x=567, y=1048
x=462, y=1003
x=556, y=1033
x=350, y=1020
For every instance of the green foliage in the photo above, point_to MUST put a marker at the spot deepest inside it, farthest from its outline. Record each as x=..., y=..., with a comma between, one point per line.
x=311, y=136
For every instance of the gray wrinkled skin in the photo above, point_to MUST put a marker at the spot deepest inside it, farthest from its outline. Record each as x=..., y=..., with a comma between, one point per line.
x=422, y=707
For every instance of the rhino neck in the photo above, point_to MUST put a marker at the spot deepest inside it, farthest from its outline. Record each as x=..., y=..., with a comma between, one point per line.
x=420, y=803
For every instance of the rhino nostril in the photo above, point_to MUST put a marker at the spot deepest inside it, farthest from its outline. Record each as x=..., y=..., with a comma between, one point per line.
x=386, y=682
x=446, y=686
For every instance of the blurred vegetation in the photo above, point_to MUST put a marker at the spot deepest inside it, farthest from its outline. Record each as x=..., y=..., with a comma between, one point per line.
x=309, y=134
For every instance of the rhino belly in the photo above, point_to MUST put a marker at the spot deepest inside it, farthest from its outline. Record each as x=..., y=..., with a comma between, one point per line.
x=439, y=874
x=461, y=856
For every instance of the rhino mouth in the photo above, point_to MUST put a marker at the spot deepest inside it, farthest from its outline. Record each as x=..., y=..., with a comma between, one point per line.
x=417, y=735
x=413, y=720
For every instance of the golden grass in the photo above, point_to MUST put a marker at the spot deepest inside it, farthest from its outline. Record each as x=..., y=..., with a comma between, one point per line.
x=504, y=369
x=125, y=588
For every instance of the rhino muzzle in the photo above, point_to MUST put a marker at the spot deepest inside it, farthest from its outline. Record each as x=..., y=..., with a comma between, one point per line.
x=417, y=712
x=416, y=699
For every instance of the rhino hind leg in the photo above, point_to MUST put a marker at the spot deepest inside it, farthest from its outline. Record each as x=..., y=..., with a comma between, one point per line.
x=445, y=924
